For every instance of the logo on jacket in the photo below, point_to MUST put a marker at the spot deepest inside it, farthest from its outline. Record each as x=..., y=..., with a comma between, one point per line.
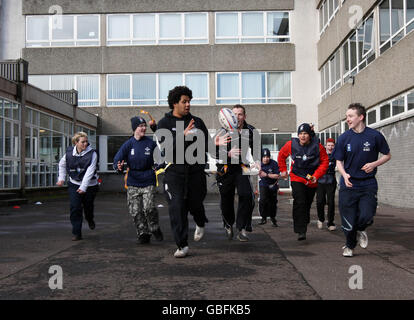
x=304, y=158
x=348, y=147
x=147, y=151
x=366, y=146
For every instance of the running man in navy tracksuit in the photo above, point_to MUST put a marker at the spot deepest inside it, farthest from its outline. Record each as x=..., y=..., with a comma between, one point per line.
x=268, y=187
x=356, y=155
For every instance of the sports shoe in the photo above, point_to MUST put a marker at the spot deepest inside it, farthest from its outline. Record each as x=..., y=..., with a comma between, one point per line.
x=332, y=228
x=181, y=252
x=347, y=252
x=199, y=233
x=242, y=236
x=263, y=221
x=91, y=224
x=144, y=238
x=362, y=239
x=76, y=238
x=229, y=232
x=274, y=223
x=158, y=234
x=302, y=236
x=319, y=224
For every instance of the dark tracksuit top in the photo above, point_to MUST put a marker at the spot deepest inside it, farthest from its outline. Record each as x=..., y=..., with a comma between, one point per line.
x=185, y=184
x=358, y=204
x=268, y=190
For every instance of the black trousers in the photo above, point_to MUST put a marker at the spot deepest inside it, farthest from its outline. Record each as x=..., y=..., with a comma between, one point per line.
x=185, y=193
x=325, y=194
x=228, y=183
x=302, y=202
x=79, y=204
x=268, y=202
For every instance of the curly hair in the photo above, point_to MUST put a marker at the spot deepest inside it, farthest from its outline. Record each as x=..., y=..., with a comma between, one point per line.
x=174, y=95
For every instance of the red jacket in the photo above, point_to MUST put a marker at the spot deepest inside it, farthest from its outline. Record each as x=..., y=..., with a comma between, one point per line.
x=286, y=151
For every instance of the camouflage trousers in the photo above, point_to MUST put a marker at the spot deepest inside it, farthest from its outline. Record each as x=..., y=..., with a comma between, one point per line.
x=141, y=207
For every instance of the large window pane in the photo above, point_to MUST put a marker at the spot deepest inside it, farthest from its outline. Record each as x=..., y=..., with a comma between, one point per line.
x=1, y=139
x=227, y=25
x=144, y=89
x=114, y=143
x=398, y=106
x=397, y=15
x=57, y=147
x=253, y=86
x=28, y=145
x=88, y=27
x=38, y=28
x=372, y=117
x=410, y=10
x=268, y=141
x=385, y=112
x=62, y=82
x=170, y=26
x=252, y=24
x=88, y=89
x=42, y=82
x=7, y=139
x=144, y=26
x=45, y=148
x=278, y=85
x=167, y=82
x=118, y=87
x=410, y=101
x=368, y=43
x=44, y=121
x=353, y=49
x=228, y=85
x=64, y=30
x=16, y=140
x=118, y=27
x=195, y=25
x=198, y=84
x=385, y=29
x=278, y=24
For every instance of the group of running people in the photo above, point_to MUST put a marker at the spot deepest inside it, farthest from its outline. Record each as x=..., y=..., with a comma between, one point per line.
x=312, y=172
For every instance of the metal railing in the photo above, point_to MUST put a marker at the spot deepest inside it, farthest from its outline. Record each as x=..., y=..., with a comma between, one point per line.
x=69, y=96
x=15, y=70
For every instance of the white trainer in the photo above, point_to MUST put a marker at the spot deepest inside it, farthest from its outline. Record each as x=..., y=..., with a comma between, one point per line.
x=362, y=239
x=319, y=224
x=181, y=253
x=199, y=233
x=347, y=252
x=332, y=228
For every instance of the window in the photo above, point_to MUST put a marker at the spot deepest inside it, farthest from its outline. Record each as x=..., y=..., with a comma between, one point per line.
x=385, y=111
x=157, y=29
x=252, y=27
x=410, y=101
x=62, y=30
x=396, y=21
x=372, y=117
x=87, y=86
x=253, y=87
x=331, y=75
x=327, y=12
x=153, y=88
x=398, y=106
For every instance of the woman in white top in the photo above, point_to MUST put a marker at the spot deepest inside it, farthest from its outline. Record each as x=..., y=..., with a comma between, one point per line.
x=79, y=162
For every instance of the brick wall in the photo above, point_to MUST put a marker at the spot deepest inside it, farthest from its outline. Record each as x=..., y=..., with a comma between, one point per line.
x=396, y=177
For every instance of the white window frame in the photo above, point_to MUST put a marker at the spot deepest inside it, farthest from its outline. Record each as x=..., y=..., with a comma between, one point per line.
x=327, y=21
x=403, y=29
x=75, y=39
x=75, y=84
x=158, y=100
x=243, y=100
x=239, y=37
x=157, y=40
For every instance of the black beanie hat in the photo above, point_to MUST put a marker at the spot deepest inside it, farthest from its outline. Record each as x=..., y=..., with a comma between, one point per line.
x=265, y=152
x=136, y=121
x=305, y=127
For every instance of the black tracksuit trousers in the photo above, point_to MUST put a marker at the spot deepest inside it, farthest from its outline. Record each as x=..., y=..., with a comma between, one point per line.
x=228, y=183
x=302, y=202
x=268, y=202
x=185, y=193
x=325, y=194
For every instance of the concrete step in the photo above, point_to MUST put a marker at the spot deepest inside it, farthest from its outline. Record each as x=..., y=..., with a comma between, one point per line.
x=12, y=202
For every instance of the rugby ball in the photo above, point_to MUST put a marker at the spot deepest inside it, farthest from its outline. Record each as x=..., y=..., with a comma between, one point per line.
x=227, y=119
